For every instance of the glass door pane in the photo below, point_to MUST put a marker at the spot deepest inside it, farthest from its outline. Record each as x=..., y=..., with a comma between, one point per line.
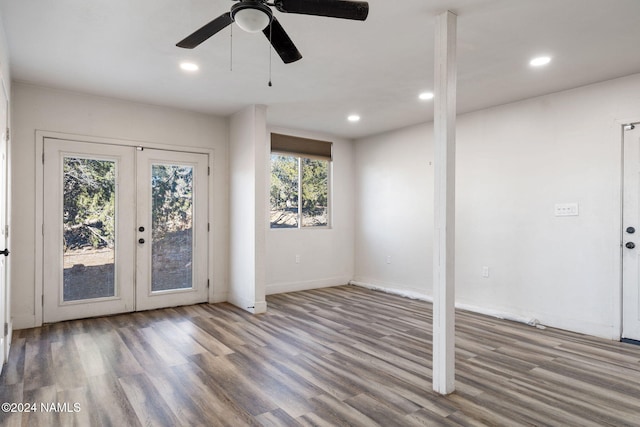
x=172, y=222
x=89, y=242
x=172, y=232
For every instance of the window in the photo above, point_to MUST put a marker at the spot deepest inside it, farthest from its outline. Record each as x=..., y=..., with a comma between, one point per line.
x=299, y=192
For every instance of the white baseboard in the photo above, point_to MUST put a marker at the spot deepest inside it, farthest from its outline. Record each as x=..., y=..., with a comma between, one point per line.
x=394, y=291
x=281, y=288
x=254, y=307
x=260, y=307
x=542, y=320
x=461, y=306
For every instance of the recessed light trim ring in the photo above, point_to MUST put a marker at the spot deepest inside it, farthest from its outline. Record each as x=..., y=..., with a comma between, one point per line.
x=425, y=96
x=189, y=66
x=540, y=61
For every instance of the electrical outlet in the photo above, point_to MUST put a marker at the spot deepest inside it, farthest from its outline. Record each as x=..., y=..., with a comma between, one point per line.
x=485, y=272
x=388, y=259
x=297, y=259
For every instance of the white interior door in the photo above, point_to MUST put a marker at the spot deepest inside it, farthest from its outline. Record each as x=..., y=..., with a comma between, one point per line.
x=4, y=289
x=172, y=231
x=89, y=211
x=631, y=235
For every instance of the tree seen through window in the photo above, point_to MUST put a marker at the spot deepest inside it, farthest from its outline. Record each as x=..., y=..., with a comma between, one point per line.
x=299, y=192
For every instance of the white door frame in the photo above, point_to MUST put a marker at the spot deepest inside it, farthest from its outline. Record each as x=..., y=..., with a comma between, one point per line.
x=39, y=201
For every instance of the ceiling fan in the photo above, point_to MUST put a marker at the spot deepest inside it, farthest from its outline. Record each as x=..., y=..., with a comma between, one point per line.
x=256, y=15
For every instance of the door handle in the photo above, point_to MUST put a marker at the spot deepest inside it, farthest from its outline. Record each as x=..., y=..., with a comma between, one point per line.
x=630, y=245
x=140, y=240
x=631, y=230
x=5, y=252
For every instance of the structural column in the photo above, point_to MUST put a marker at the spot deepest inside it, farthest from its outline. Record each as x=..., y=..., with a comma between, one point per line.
x=444, y=204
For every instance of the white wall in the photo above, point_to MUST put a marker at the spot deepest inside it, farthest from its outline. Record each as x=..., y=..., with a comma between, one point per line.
x=248, y=161
x=514, y=163
x=39, y=108
x=4, y=59
x=326, y=254
x=394, y=209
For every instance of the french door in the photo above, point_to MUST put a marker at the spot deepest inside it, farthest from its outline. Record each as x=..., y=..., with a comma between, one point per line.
x=630, y=233
x=171, y=235
x=125, y=229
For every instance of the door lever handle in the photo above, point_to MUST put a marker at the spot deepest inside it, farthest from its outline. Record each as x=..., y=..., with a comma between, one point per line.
x=5, y=252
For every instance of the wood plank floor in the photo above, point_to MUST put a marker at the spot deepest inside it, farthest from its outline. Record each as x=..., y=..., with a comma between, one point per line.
x=329, y=357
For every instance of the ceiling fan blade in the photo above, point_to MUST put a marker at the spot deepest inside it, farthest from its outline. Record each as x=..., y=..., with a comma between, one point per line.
x=281, y=42
x=206, y=31
x=357, y=10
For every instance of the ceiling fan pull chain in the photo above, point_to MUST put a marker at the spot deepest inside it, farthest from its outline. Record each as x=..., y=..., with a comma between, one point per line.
x=270, y=49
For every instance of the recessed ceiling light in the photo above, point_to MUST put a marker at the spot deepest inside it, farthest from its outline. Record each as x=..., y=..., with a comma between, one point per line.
x=540, y=61
x=189, y=66
x=354, y=118
x=425, y=96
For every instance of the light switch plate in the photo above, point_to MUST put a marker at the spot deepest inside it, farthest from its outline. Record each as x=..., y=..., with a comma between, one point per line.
x=566, y=209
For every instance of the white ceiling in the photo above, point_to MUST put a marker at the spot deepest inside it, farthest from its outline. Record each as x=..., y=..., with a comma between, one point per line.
x=376, y=68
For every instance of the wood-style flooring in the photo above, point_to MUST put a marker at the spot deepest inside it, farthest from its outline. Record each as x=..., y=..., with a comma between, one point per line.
x=330, y=357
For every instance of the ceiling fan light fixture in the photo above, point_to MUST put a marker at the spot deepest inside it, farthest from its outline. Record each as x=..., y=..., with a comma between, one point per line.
x=251, y=16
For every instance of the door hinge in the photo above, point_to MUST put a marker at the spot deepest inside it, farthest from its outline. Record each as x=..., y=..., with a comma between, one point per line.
x=6, y=231
x=208, y=226
x=43, y=158
x=208, y=170
x=43, y=300
x=6, y=329
x=8, y=136
x=207, y=283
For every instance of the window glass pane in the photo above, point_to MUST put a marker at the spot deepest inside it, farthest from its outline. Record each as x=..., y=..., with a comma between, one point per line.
x=89, y=194
x=284, y=191
x=172, y=234
x=315, y=185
